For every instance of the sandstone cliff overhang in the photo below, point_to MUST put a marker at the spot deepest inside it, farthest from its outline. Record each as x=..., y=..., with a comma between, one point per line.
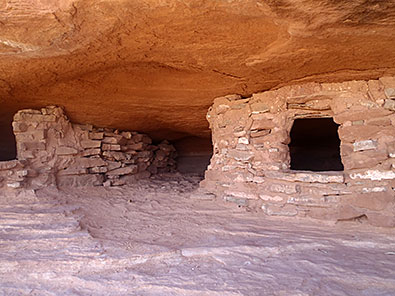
x=155, y=66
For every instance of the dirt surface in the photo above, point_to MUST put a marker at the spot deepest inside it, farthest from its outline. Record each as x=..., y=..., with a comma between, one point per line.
x=155, y=238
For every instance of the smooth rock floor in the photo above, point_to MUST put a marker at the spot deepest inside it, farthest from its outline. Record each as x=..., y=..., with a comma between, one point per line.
x=156, y=239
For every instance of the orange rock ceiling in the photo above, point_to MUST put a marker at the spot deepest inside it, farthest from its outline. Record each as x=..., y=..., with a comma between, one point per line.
x=156, y=65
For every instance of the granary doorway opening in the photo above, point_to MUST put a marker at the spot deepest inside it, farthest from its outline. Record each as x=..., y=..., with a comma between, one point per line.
x=194, y=155
x=315, y=145
x=7, y=142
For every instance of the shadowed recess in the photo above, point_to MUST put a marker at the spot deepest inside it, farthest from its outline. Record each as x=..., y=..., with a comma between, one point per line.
x=315, y=145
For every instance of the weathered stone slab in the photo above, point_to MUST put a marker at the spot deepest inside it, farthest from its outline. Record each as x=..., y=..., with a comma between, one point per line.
x=7, y=165
x=283, y=188
x=271, y=198
x=89, y=162
x=358, y=133
x=307, y=177
x=96, y=135
x=80, y=181
x=66, y=150
x=262, y=124
x=119, y=156
x=111, y=147
x=90, y=144
x=390, y=92
x=375, y=201
x=97, y=170
x=355, y=115
x=273, y=210
x=73, y=171
x=91, y=152
x=261, y=133
x=236, y=200
x=374, y=175
x=365, y=145
x=240, y=155
x=132, y=169
x=389, y=105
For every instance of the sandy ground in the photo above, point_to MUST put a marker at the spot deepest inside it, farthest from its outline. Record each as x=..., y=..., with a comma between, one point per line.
x=154, y=239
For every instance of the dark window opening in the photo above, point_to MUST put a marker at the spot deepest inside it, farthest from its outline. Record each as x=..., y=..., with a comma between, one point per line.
x=194, y=155
x=315, y=145
x=7, y=142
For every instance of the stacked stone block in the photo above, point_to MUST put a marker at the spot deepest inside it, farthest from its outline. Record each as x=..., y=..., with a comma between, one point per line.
x=251, y=160
x=12, y=174
x=58, y=152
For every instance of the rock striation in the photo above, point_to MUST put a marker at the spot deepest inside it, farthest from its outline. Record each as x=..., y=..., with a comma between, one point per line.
x=115, y=63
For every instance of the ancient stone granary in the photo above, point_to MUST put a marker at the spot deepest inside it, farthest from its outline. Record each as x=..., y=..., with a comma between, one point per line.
x=252, y=158
x=251, y=164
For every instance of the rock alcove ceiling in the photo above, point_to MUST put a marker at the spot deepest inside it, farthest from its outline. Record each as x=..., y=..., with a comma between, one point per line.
x=156, y=65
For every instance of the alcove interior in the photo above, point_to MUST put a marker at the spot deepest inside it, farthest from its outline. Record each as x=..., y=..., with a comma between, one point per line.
x=7, y=142
x=315, y=145
x=194, y=154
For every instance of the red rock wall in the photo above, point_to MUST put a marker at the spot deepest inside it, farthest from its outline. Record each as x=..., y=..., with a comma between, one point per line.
x=57, y=152
x=251, y=160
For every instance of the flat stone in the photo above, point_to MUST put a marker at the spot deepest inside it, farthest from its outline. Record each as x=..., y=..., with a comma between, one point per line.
x=7, y=165
x=375, y=201
x=20, y=126
x=96, y=135
x=89, y=162
x=364, y=159
x=283, y=188
x=357, y=115
x=116, y=155
x=373, y=189
x=90, y=144
x=66, y=151
x=136, y=147
x=236, y=200
x=132, y=169
x=240, y=155
x=111, y=140
x=307, y=177
x=389, y=105
x=262, y=124
x=273, y=210
x=14, y=185
x=390, y=92
x=112, y=165
x=111, y=147
x=273, y=198
x=374, y=175
x=80, y=181
x=91, y=152
x=98, y=170
x=243, y=140
x=72, y=171
x=261, y=133
x=358, y=133
x=365, y=145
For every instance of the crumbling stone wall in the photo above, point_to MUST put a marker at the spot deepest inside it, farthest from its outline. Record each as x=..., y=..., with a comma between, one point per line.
x=55, y=152
x=251, y=160
x=12, y=174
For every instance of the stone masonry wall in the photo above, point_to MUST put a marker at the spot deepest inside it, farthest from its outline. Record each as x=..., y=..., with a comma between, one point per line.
x=251, y=160
x=12, y=174
x=51, y=151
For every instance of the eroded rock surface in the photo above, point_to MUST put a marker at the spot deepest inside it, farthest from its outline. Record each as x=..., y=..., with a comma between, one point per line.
x=155, y=66
x=152, y=239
